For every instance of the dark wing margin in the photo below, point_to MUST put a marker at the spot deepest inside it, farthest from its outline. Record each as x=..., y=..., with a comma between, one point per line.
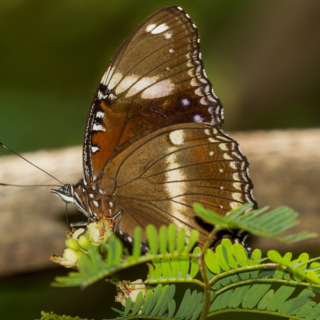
x=156, y=79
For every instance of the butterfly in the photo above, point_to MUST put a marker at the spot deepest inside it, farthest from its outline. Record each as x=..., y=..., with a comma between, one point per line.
x=153, y=143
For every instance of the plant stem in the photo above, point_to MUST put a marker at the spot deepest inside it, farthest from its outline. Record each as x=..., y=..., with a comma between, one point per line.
x=203, y=270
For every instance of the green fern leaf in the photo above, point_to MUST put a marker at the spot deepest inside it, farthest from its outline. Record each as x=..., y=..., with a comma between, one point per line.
x=136, y=250
x=194, y=263
x=52, y=316
x=181, y=239
x=194, y=305
x=265, y=300
x=137, y=304
x=183, y=304
x=225, y=281
x=221, y=301
x=211, y=261
x=293, y=306
x=157, y=269
x=228, y=253
x=197, y=312
x=175, y=265
x=170, y=293
x=280, y=296
x=166, y=268
x=222, y=258
x=160, y=294
x=152, y=239
x=314, y=313
x=114, y=251
x=189, y=305
x=172, y=237
x=240, y=254
x=163, y=239
x=237, y=296
x=149, y=303
x=171, y=308
x=254, y=294
x=257, y=222
x=193, y=238
x=96, y=262
x=127, y=306
x=256, y=255
x=184, y=267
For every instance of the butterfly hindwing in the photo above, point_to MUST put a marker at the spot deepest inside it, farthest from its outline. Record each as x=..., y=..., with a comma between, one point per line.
x=192, y=163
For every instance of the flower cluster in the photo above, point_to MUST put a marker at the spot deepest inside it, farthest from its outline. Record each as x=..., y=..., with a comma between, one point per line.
x=78, y=241
x=126, y=289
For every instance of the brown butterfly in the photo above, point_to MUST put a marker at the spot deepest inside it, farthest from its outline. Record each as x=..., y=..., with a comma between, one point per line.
x=153, y=143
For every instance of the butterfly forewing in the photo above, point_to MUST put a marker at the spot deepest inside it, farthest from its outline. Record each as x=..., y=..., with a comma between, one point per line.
x=156, y=79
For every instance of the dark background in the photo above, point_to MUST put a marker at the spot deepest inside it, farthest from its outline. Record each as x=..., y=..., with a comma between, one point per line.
x=262, y=58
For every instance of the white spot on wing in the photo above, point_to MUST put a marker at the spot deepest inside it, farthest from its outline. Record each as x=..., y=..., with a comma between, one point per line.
x=98, y=127
x=212, y=139
x=185, y=102
x=100, y=114
x=171, y=50
x=197, y=118
x=114, y=80
x=150, y=27
x=237, y=196
x=177, y=137
x=126, y=83
x=101, y=95
x=95, y=203
x=158, y=90
x=141, y=84
x=234, y=205
x=94, y=149
x=159, y=29
x=168, y=35
x=237, y=185
x=228, y=157
x=223, y=146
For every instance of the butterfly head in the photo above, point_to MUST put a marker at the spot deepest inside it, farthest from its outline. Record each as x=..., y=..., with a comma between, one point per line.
x=72, y=194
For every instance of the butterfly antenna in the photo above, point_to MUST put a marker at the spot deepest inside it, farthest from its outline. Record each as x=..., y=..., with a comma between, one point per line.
x=34, y=185
x=5, y=147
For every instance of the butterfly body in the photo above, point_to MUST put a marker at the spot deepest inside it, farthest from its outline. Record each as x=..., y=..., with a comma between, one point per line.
x=153, y=143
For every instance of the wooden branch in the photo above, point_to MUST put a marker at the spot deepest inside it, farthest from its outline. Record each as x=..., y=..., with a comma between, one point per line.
x=284, y=166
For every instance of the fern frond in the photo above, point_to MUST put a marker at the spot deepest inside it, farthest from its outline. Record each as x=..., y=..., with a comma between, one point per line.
x=259, y=222
x=260, y=298
x=171, y=263
x=159, y=303
x=52, y=316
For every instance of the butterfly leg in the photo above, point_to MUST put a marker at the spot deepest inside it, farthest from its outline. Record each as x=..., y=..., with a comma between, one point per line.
x=79, y=224
x=117, y=218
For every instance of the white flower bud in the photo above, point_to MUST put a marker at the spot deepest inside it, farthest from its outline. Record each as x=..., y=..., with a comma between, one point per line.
x=77, y=233
x=70, y=258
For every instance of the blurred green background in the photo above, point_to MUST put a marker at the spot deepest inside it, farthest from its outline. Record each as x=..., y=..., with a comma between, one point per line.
x=262, y=58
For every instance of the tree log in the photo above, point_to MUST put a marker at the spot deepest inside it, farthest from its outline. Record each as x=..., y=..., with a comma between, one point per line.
x=284, y=166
